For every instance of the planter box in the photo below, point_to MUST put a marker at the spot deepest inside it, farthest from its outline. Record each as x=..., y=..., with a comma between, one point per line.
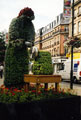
x=42, y=79
x=54, y=109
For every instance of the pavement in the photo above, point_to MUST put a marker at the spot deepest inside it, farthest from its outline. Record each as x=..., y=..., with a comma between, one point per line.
x=76, y=88
x=1, y=81
x=66, y=86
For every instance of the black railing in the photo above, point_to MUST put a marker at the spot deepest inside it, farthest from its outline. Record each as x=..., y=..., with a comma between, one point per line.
x=46, y=38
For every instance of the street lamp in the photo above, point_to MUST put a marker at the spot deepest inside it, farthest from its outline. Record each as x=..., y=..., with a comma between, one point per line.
x=71, y=75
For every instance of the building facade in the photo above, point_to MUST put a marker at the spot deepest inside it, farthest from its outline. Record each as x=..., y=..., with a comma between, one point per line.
x=38, y=39
x=77, y=19
x=77, y=23
x=51, y=37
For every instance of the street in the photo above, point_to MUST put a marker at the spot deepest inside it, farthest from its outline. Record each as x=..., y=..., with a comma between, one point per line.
x=76, y=87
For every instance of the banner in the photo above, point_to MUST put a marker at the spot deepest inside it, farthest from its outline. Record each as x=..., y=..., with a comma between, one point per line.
x=67, y=8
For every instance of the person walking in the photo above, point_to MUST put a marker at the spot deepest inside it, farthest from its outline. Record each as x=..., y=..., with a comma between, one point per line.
x=1, y=71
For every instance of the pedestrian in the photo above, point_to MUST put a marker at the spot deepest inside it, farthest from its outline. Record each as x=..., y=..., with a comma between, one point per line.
x=1, y=71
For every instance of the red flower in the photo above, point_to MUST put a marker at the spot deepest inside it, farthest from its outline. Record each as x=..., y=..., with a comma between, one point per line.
x=1, y=92
x=3, y=88
x=33, y=91
x=13, y=93
x=39, y=92
x=15, y=89
x=59, y=92
x=26, y=11
x=41, y=86
x=63, y=90
x=11, y=88
x=6, y=88
x=53, y=89
x=46, y=89
x=6, y=93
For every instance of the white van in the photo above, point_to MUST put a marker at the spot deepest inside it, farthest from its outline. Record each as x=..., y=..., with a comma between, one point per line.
x=65, y=73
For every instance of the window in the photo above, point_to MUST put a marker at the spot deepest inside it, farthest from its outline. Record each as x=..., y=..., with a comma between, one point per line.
x=75, y=13
x=65, y=50
x=65, y=37
x=75, y=30
x=48, y=27
x=54, y=51
x=79, y=10
x=66, y=28
x=54, y=22
x=50, y=43
x=60, y=66
x=57, y=19
x=57, y=42
x=75, y=0
x=79, y=26
x=58, y=51
x=43, y=30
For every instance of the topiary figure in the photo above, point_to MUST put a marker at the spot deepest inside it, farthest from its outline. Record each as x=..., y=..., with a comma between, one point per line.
x=21, y=30
x=43, y=64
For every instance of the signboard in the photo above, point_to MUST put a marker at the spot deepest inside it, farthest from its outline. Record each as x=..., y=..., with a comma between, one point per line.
x=56, y=60
x=67, y=8
x=75, y=67
x=76, y=55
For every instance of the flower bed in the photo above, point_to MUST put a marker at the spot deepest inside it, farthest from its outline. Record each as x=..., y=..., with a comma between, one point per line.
x=46, y=105
x=15, y=95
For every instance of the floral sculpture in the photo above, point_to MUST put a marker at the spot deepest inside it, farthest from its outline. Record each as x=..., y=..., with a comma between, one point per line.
x=21, y=30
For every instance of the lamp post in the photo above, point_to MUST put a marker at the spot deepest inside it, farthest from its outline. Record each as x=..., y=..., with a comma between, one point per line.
x=71, y=75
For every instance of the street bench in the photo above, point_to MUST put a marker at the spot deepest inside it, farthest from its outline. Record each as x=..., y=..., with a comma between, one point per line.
x=38, y=79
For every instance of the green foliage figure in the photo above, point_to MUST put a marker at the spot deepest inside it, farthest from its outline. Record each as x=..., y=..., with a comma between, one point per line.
x=21, y=30
x=43, y=64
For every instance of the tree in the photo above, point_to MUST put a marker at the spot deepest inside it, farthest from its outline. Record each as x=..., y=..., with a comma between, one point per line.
x=2, y=47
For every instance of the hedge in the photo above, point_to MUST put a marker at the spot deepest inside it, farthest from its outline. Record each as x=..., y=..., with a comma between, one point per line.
x=43, y=64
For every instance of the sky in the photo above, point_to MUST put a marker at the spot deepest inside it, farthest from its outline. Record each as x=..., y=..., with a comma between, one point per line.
x=45, y=11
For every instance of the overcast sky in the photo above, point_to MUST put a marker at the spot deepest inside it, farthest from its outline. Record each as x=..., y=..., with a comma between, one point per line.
x=45, y=11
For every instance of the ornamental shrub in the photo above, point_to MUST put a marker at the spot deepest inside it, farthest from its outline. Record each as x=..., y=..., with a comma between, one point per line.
x=43, y=64
x=21, y=30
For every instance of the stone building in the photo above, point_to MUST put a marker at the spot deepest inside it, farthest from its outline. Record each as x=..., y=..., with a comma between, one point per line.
x=77, y=19
x=51, y=38
x=77, y=22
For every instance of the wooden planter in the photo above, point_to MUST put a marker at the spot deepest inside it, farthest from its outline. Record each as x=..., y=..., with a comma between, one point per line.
x=52, y=109
x=42, y=79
